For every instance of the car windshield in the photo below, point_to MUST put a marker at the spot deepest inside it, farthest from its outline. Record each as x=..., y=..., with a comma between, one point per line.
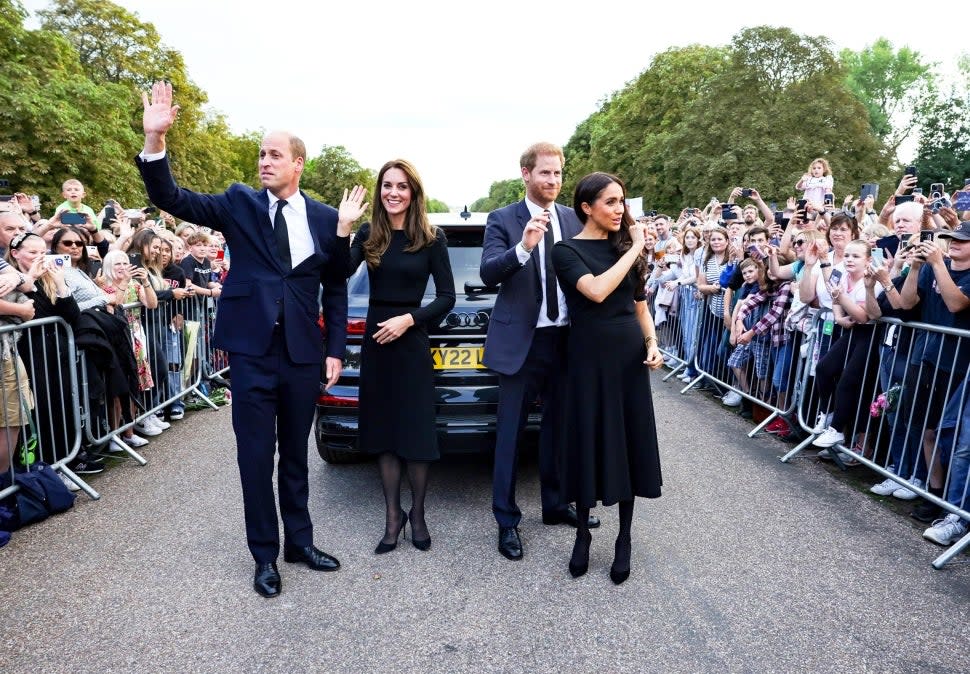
x=465, y=253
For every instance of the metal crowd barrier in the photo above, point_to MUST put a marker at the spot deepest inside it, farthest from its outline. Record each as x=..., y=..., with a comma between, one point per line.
x=764, y=374
x=175, y=341
x=889, y=395
x=39, y=399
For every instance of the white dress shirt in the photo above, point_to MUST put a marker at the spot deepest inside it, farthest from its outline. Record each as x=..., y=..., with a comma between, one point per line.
x=297, y=226
x=523, y=256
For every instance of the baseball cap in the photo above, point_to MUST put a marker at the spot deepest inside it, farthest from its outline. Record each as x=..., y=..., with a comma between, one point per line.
x=961, y=232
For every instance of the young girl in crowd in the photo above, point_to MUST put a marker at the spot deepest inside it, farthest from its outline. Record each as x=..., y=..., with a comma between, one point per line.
x=818, y=182
x=714, y=262
x=846, y=370
x=685, y=284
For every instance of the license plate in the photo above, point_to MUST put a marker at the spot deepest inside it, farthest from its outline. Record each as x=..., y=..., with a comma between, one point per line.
x=457, y=357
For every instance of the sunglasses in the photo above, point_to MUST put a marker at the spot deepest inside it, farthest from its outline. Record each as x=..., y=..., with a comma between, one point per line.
x=800, y=242
x=71, y=243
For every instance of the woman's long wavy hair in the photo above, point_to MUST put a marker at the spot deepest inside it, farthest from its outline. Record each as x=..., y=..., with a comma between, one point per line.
x=588, y=190
x=417, y=228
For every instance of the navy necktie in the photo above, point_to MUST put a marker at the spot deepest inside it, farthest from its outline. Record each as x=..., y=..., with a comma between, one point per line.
x=282, y=236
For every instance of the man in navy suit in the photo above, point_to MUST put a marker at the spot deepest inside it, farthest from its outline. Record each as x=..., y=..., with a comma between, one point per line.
x=527, y=334
x=284, y=248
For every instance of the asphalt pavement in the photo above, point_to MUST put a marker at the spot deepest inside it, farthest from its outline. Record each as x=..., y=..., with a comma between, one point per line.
x=744, y=565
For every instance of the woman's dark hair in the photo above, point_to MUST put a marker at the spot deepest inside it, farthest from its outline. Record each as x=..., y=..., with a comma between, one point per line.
x=843, y=220
x=417, y=228
x=82, y=263
x=588, y=190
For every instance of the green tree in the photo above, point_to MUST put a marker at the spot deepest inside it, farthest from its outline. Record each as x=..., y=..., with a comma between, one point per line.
x=332, y=171
x=943, y=154
x=436, y=206
x=896, y=87
x=501, y=193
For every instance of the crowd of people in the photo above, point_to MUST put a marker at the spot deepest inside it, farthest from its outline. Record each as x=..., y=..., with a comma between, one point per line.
x=128, y=282
x=748, y=296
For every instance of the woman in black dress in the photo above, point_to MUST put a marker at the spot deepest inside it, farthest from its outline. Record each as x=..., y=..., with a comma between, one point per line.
x=610, y=453
x=397, y=415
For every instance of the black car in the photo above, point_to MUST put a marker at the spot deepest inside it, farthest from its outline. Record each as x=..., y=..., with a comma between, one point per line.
x=466, y=391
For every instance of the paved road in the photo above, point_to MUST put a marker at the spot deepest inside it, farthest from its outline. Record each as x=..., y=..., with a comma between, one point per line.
x=745, y=565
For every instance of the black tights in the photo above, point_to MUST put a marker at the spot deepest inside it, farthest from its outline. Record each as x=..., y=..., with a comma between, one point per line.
x=621, y=560
x=390, y=467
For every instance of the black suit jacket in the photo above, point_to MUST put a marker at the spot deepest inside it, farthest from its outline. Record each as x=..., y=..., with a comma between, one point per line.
x=258, y=285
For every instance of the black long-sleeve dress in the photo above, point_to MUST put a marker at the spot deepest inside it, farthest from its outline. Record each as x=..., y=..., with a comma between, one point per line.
x=397, y=404
x=611, y=451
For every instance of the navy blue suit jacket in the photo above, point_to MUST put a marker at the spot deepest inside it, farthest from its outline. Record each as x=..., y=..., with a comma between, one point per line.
x=257, y=283
x=516, y=311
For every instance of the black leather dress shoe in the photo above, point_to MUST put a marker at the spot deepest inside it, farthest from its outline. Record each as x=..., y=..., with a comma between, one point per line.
x=267, y=580
x=568, y=516
x=315, y=559
x=509, y=543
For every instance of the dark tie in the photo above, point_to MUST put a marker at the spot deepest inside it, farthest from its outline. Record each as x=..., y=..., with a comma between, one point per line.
x=552, y=295
x=282, y=236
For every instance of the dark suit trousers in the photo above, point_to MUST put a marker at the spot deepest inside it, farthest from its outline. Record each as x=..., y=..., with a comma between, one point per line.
x=273, y=401
x=542, y=374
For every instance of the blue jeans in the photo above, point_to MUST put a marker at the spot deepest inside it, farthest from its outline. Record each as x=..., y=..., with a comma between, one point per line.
x=689, y=308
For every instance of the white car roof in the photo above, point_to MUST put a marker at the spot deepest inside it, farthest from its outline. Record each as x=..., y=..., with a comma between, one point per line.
x=456, y=219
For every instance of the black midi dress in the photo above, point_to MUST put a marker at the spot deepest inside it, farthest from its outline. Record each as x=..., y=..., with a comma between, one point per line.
x=397, y=398
x=610, y=453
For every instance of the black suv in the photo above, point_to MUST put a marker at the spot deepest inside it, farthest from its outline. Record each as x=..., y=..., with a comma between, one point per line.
x=466, y=391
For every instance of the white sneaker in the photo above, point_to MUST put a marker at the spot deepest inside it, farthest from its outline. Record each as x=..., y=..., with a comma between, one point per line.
x=732, y=399
x=69, y=483
x=134, y=441
x=947, y=530
x=685, y=377
x=822, y=423
x=161, y=423
x=885, y=488
x=145, y=427
x=908, y=494
x=829, y=438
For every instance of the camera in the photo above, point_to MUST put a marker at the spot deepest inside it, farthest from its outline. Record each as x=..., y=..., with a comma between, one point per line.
x=746, y=192
x=727, y=212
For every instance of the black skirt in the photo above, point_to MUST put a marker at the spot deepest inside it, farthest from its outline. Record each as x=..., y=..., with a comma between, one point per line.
x=397, y=397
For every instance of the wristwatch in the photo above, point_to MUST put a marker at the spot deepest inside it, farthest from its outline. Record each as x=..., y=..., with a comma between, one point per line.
x=823, y=265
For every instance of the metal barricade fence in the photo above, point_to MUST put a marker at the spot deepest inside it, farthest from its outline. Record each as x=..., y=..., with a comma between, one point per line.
x=677, y=330
x=39, y=403
x=886, y=386
x=762, y=372
x=170, y=345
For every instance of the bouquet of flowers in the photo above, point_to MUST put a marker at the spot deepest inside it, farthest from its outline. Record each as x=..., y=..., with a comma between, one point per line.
x=885, y=401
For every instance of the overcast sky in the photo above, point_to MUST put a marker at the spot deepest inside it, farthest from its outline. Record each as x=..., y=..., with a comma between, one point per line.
x=461, y=88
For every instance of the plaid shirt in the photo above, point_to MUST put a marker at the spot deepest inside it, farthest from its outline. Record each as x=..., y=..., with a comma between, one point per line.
x=773, y=318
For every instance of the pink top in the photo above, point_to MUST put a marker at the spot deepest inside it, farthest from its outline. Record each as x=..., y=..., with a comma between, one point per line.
x=816, y=188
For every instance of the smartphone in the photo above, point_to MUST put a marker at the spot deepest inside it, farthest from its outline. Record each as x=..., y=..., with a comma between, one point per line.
x=927, y=235
x=109, y=215
x=727, y=212
x=755, y=253
x=746, y=192
x=868, y=189
x=778, y=215
x=57, y=261
x=828, y=199
x=910, y=171
x=691, y=211
x=917, y=190
x=93, y=250
x=135, y=259
x=802, y=203
x=878, y=257
x=73, y=218
x=221, y=254
x=835, y=277
x=962, y=201
x=936, y=190
x=903, y=198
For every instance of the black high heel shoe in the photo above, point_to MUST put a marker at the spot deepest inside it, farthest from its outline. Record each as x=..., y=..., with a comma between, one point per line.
x=424, y=544
x=383, y=547
x=620, y=570
x=579, y=562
